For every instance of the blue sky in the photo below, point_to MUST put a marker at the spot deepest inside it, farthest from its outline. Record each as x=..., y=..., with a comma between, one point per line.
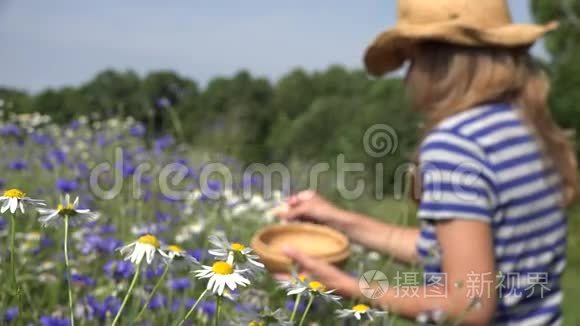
x=56, y=43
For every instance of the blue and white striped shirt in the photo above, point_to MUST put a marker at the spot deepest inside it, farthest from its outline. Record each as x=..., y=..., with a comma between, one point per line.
x=485, y=164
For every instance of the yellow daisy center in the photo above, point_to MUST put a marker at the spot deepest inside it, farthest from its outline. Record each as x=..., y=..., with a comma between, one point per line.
x=222, y=268
x=14, y=193
x=176, y=249
x=68, y=210
x=237, y=246
x=362, y=308
x=316, y=286
x=256, y=323
x=150, y=240
x=302, y=277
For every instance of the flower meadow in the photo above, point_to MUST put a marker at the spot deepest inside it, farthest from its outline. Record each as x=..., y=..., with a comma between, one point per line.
x=139, y=255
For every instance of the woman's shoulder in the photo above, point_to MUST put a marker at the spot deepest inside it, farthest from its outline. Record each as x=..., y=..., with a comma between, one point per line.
x=477, y=124
x=468, y=122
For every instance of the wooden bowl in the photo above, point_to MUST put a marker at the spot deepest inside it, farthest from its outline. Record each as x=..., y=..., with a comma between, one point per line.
x=317, y=241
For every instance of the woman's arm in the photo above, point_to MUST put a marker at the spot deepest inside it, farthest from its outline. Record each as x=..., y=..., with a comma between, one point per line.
x=396, y=241
x=469, y=267
x=469, y=293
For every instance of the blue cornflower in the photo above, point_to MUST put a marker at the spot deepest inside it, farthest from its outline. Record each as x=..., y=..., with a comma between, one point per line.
x=101, y=310
x=46, y=164
x=162, y=217
x=67, y=185
x=91, y=243
x=10, y=314
x=137, y=130
x=18, y=165
x=75, y=125
x=41, y=139
x=162, y=102
x=112, y=304
x=102, y=139
x=2, y=223
x=44, y=243
x=197, y=254
x=109, y=245
x=53, y=321
x=154, y=271
x=175, y=305
x=108, y=228
x=179, y=284
x=58, y=155
x=118, y=269
x=147, y=195
x=212, y=189
x=82, y=169
x=290, y=305
x=208, y=308
x=158, y=301
x=128, y=168
x=82, y=280
x=160, y=144
x=251, y=181
x=10, y=130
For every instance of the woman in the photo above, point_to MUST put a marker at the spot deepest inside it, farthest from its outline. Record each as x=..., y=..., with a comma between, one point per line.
x=496, y=171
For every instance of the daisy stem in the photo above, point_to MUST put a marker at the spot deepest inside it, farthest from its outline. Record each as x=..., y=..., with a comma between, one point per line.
x=306, y=310
x=12, y=254
x=14, y=287
x=218, y=310
x=295, y=309
x=193, y=308
x=68, y=273
x=152, y=293
x=128, y=294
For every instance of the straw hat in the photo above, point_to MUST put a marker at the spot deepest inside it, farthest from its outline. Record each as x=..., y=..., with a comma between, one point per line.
x=462, y=22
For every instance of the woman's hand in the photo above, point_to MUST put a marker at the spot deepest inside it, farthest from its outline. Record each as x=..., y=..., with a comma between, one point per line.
x=321, y=271
x=308, y=205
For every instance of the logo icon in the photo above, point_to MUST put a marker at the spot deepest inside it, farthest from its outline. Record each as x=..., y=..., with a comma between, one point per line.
x=380, y=140
x=373, y=284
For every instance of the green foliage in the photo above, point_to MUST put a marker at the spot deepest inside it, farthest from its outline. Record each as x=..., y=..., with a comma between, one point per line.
x=564, y=47
x=304, y=117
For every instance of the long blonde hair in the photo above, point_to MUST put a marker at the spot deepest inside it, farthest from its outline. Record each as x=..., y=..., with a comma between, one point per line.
x=446, y=79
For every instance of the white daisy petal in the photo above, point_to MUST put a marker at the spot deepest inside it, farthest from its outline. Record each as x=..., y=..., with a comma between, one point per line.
x=5, y=207
x=13, y=205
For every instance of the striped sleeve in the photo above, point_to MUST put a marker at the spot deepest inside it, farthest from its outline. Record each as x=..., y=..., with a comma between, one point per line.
x=457, y=180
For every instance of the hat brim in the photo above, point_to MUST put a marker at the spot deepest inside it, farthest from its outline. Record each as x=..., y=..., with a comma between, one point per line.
x=390, y=48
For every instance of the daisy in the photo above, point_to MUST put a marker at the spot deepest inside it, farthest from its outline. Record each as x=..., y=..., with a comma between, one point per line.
x=297, y=281
x=171, y=254
x=145, y=247
x=54, y=217
x=220, y=274
x=175, y=253
x=315, y=289
x=242, y=255
x=359, y=311
x=267, y=317
x=13, y=199
x=294, y=281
